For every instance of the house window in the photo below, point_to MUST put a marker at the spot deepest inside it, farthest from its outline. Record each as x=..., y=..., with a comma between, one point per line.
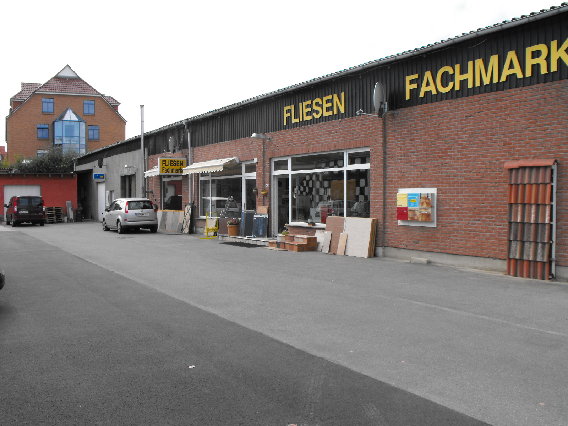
x=93, y=133
x=42, y=131
x=47, y=105
x=89, y=107
x=42, y=152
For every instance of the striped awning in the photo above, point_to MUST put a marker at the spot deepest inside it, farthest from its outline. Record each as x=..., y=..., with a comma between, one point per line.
x=210, y=166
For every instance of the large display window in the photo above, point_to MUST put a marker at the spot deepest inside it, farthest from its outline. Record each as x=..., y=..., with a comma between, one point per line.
x=229, y=191
x=309, y=188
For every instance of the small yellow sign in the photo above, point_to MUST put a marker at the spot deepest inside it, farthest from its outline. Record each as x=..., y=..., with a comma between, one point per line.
x=172, y=166
x=401, y=199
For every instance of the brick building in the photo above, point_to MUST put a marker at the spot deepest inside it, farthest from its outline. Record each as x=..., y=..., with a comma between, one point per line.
x=65, y=111
x=457, y=148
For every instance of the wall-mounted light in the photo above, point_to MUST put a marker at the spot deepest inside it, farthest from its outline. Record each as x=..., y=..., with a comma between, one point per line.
x=260, y=136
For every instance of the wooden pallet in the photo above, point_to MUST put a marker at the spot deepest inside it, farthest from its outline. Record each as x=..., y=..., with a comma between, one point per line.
x=54, y=214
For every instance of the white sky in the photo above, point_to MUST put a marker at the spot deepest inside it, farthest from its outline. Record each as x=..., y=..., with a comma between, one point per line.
x=184, y=58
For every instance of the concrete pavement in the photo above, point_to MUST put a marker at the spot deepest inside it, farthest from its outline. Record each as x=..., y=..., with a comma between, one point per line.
x=490, y=346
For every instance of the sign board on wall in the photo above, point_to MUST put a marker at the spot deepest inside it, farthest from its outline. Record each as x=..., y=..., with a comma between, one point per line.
x=99, y=177
x=416, y=207
x=171, y=166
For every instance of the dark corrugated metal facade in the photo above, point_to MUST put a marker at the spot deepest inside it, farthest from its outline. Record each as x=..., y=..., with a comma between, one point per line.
x=266, y=115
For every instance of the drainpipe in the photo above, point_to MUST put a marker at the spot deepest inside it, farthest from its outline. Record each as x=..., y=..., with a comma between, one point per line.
x=385, y=174
x=142, y=153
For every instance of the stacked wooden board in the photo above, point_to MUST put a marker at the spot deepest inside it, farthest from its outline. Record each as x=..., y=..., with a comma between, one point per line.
x=351, y=236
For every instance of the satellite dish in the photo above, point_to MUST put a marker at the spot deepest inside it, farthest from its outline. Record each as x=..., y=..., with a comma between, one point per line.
x=379, y=97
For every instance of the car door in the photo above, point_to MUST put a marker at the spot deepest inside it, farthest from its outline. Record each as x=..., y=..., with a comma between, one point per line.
x=110, y=215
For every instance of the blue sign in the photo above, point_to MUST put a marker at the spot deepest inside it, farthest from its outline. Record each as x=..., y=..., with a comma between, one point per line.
x=98, y=176
x=413, y=200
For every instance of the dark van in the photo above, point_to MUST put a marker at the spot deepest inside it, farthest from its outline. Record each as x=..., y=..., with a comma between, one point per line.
x=26, y=208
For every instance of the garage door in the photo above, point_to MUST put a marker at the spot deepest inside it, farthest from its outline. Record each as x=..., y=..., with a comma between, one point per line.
x=12, y=190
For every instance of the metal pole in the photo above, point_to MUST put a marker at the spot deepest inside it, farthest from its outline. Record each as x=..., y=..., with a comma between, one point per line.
x=142, y=154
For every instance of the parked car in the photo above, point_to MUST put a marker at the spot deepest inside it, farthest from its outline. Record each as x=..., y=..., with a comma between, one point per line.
x=130, y=213
x=2, y=279
x=26, y=208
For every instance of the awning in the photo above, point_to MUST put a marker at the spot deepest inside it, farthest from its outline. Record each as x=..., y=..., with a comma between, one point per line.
x=154, y=171
x=209, y=166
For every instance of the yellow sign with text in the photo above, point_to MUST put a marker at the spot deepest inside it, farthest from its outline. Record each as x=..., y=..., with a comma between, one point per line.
x=172, y=166
x=539, y=58
x=315, y=108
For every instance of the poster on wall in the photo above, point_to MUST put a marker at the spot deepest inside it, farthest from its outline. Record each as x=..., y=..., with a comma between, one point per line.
x=416, y=206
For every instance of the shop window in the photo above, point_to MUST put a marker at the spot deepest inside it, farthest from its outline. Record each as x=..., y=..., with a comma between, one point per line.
x=229, y=192
x=358, y=193
x=339, y=185
x=319, y=161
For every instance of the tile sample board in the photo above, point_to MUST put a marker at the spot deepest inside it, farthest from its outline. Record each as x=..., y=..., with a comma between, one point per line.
x=335, y=224
x=362, y=233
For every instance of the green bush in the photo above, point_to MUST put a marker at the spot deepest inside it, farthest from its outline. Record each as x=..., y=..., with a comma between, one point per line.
x=55, y=161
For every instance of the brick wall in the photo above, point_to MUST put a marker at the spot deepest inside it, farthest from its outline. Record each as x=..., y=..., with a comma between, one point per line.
x=21, y=126
x=457, y=146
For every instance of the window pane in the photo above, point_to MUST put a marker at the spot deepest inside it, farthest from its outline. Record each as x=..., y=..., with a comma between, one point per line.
x=204, y=197
x=318, y=161
x=251, y=196
x=359, y=157
x=358, y=193
x=316, y=196
x=89, y=107
x=47, y=105
x=250, y=168
x=281, y=165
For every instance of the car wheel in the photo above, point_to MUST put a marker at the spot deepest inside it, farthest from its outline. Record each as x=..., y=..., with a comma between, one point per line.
x=14, y=223
x=105, y=227
x=119, y=227
x=153, y=229
x=42, y=223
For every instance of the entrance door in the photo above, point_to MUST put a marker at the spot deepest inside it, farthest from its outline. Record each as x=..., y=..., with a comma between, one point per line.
x=101, y=200
x=281, y=203
x=15, y=190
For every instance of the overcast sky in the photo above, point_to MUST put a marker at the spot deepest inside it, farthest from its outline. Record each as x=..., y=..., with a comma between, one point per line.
x=184, y=58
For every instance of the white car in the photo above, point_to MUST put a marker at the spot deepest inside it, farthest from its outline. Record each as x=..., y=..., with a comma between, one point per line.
x=131, y=213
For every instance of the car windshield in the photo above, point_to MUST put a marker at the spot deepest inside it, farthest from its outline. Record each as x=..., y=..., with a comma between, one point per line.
x=29, y=201
x=140, y=205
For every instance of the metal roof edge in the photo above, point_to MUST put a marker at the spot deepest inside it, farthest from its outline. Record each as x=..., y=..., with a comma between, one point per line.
x=533, y=16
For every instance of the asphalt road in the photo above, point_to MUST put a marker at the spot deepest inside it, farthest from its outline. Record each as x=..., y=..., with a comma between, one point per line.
x=107, y=328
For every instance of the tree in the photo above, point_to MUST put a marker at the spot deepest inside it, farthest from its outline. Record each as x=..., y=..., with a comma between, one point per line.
x=54, y=161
